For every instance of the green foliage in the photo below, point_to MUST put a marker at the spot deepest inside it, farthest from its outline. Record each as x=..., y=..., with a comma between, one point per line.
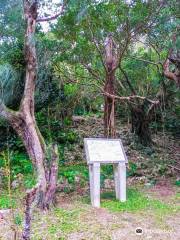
x=70, y=172
x=21, y=164
x=20, y=169
x=70, y=175
x=57, y=130
x=132, y=169
x=18, y=219
x=6, y=202
x=67, y=137
x=29, y=181
x=177, y=183
x=9, y=84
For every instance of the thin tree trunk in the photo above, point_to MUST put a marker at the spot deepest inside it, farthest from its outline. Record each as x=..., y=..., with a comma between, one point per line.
x=109, y=119
x=109, y=103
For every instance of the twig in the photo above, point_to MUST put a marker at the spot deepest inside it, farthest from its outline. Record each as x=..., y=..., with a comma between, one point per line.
x=97, y=46
x=174, y=167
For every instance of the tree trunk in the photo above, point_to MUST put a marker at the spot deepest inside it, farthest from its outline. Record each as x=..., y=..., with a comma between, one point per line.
x=23, y=122
x=109, y=103
x=109, y=119
x=140, y=125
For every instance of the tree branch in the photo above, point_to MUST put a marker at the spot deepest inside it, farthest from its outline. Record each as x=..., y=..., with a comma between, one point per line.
x=52, y=17
x=97, y=46
x=6, y=113
x=129, y=98
x=175, y=76
x=127, y=80
x=91, y=71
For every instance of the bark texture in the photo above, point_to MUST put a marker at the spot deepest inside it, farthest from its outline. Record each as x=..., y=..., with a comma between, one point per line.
x=109, y=107
x=24, y=123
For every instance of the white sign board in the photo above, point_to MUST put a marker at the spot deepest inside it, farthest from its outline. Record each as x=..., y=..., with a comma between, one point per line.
x=104, y=150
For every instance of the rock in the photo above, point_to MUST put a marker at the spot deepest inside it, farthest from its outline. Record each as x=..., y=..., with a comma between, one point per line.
x=77, y=179
x=4, y=213
x=142, y=179
x=15, y=184
x=18, y=181
x=64, y=185
x=78, y=120
x=148, y=184
x=108, y=183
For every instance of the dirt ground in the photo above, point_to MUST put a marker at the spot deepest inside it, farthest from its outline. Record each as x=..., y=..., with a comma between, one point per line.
x=75, y=219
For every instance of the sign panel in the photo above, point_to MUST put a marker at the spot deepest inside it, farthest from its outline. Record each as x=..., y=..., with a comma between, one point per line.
x=104, y=150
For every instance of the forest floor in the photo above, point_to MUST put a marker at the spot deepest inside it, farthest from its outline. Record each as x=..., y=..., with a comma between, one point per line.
x=153, y=197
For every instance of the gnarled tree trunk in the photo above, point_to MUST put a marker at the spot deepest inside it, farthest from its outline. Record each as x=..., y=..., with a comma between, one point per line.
x=24, y=123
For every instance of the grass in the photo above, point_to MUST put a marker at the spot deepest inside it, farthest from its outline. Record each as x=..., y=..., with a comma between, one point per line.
x=6, y=202
x=137, y=202
x=78, y=217
x=68, y=219
x=58, y=223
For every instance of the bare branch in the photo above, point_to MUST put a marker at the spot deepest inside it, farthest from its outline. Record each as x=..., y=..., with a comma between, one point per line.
x=127, y=80
x=146, y=61
x=129, y=98
x=52, y=17
x=97, y=46
x=123, y=50
x=91, y=71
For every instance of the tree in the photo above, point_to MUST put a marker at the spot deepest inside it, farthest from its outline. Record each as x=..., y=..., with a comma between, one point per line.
x=44, y=159
x=100, y=40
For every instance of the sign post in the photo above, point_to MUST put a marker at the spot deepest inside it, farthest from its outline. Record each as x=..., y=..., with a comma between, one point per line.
x=105, y=151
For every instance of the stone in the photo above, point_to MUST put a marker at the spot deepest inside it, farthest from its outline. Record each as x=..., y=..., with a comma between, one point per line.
x=77, y=179
x=109, y=184
x=64, y=185
x=15, y=184
x=78, y=120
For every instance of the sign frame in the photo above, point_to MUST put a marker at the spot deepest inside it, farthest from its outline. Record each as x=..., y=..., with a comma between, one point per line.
x=125, y=160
